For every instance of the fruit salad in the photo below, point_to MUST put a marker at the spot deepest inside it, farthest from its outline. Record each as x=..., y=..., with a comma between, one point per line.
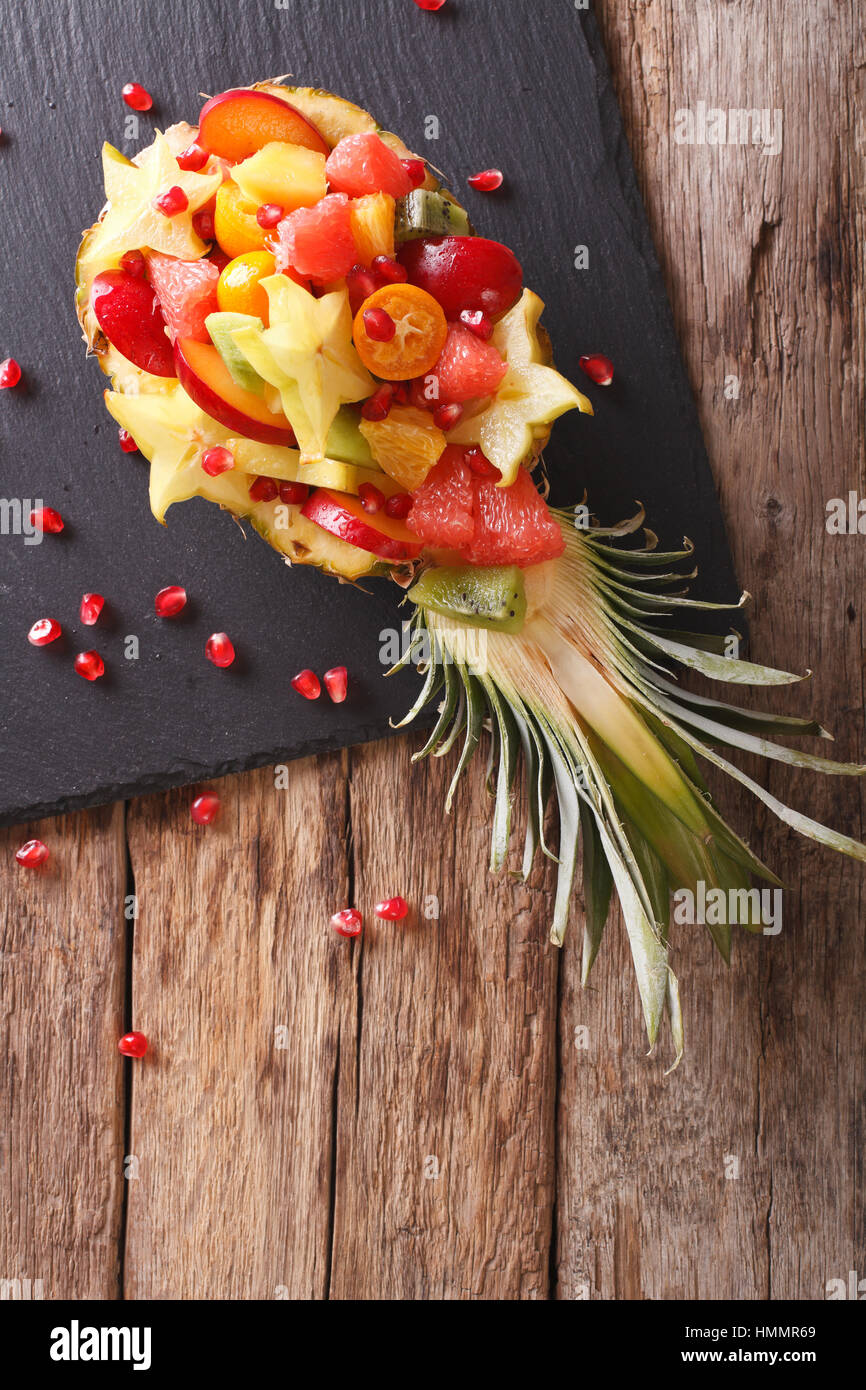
x=300, y=325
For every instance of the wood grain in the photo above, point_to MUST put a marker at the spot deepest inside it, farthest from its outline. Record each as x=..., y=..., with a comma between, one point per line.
x=62, y=967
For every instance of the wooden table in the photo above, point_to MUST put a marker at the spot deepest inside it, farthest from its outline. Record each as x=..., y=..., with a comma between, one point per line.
x=413, y=1116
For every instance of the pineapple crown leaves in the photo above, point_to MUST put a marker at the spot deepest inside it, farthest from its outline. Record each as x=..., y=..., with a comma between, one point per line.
x=586, y=695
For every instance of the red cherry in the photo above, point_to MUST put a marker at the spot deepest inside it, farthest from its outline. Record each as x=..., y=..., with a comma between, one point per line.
x=371, y=499
x=132, y=1045
x=294, y=494
x=89, y=665
x=90, y=609
x=44, y=631
x=194, y=157
x=392, y=909
x=487, y=181
x=348, y=922
x=205, y=808
x=217, y=460
x=336, y=683
x=136, y=96
x=264, y=490
x=32, y=854
x=170, y=601
x=10, y=373
x=464, y=272
x=47, y=520
x=219, y=649
x=127, y=443
x=307, y=683
x=598, y=368
x=269, y=214
x=128, y=312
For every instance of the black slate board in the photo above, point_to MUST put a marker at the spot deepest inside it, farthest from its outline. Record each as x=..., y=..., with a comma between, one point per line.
x=523, y=85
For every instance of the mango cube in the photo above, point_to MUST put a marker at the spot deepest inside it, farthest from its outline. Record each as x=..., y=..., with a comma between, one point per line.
x=289, y=175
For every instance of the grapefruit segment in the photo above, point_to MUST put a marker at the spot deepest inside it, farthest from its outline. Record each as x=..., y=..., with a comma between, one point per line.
x=318, y=242
x=441, y=512
x=187, y=293
x=512, y=525
x=468, y=368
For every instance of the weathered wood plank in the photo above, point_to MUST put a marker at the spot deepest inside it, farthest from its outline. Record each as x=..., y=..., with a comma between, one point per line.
x=232, y=1123
x=62, y=966
x=445, y=1144
x=764, y=266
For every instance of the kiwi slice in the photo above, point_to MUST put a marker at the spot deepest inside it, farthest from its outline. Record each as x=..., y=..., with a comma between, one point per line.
x=491, y=596
x=425, y=213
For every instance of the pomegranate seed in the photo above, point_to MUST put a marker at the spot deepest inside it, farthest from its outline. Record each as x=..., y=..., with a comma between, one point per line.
x=194, y=157
x=203, y=224
x=424, y=391
x=487, y=181
x=269, y=214
x=361, y=283
x=44, y=631
x=392, y=909
x=47, y=519
x=91, y=607
x=416, y=169
x=598, y=368
x=264, y=490
x=133, y=263
x=378, y=407
x=478, y=322
x=447, y=416
x=307, y=683
x=398, y=505
x=127, y=443
x=173, y=201
x=32, y=854
x=429, y=4
x=170, y=601
x=89, y=665
x=348, y=922
x=10, y=373
x=371, y=499
x=379, y=325
x=336, y=682
x=400, y=392
x=217, y=460
x=132, y=1045
x=480, y=463
x=392, y=271
x=294, y=494
x=205, y=808
x=219, y=649
x=137, y=97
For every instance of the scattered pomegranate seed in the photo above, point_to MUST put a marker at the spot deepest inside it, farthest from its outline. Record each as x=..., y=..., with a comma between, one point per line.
x=89, y=665
x=47, y=519
x=132, y=1045
x=44, y=631
x=294, y=494
x=32, y=854
x=392, y=909
x=379, y=325
x=127, y=443
x=480, y=463
x=133, y=263
x=416, y=169
x=307, y=683
x=269, y=214
x=447, y=416
x=10, y=373
x=378, y=407
x=173, y=201
x=348, y=922
x=170, y=601
x=91, y=607
x=219, y=649
x=194, y=157
x=205, y=808
x=264, y=489
x=336, y=681
x=478, y=322
x=398, y=505
x=371, y=499
x=429, y=4
x=203, y=224
x=217, y=460
x=361, y=283
x=487, y=181
x=598, y=368
x=392, y=271
x=137, y=97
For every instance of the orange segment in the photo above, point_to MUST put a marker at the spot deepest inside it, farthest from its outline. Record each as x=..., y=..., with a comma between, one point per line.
x=418, y=342
x=235, y=225
x=239, y=290
x=406, y=444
